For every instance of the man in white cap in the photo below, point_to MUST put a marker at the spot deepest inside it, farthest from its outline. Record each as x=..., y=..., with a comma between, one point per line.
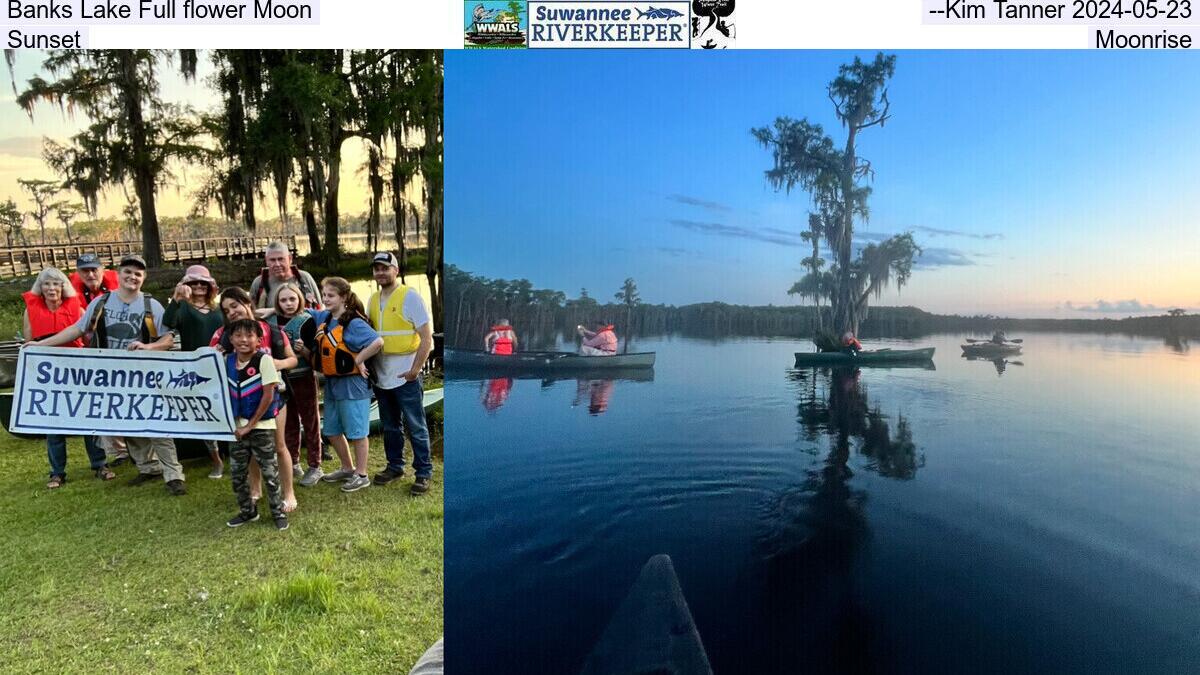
x=398, y=313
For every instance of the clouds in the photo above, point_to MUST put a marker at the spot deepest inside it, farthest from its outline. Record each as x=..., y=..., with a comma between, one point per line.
x=768, y=235
x=21, y=146
x=939, y=232
x=702, y=203
x=1132, y=306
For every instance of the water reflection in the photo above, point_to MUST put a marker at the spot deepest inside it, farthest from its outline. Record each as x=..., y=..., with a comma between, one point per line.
x=595, y=392
x=1000, y=363
x=834, y=403
x=494, y=392
x=815, y=532
x=1177, y=343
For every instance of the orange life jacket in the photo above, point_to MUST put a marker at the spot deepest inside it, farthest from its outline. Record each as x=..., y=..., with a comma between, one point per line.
x=333, y=357
x=852, y=342
x=504, y=340
x=44, y=322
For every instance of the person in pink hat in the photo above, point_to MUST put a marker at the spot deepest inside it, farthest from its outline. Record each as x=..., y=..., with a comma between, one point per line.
x=193, y=315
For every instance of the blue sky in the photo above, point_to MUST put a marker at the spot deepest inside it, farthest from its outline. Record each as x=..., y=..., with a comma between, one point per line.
x=1040, y=183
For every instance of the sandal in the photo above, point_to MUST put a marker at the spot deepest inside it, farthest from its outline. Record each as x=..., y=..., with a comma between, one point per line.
x=105, y=473
x=56, y=482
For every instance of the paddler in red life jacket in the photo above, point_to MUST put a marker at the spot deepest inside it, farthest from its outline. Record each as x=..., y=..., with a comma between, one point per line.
x=850, y=344
x=601, y=342
x=501, y=340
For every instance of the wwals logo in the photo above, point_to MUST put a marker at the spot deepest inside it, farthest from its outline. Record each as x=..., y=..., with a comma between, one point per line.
x=495, y=24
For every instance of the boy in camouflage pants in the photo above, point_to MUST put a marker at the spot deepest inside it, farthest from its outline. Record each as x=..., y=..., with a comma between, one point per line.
x=252, y=388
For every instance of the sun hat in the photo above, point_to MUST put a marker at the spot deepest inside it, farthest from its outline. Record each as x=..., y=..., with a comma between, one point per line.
x=200, y=273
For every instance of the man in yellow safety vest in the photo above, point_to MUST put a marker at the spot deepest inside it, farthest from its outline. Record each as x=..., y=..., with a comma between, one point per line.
x=399, y=315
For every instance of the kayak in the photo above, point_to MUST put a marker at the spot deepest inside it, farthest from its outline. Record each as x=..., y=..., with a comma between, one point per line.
x=652, y=630
x=865, y=358
x=544, y=361
x=990, y=349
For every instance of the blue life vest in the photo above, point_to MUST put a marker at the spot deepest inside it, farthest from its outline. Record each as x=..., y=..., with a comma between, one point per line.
x=246, y=387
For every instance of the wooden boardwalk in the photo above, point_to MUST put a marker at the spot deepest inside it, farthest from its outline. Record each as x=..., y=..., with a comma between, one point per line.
x=28, y=260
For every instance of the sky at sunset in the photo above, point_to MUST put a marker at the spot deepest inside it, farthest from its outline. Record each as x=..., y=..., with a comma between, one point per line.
x=1056, y=184
x=21, y=144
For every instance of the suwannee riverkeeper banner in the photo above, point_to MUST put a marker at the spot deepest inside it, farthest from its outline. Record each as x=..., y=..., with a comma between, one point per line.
x=79, y=392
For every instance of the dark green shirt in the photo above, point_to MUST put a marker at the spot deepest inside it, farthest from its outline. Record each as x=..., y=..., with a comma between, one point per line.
x=195, y=328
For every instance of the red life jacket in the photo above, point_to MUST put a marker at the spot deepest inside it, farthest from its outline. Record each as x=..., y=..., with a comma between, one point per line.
x=108, y=282
x=44, y=322
x=609, y=340
x=504, y=340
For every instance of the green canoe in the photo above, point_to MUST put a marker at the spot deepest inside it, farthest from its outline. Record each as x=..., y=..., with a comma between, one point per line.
x=880, y=357
x=471, y=359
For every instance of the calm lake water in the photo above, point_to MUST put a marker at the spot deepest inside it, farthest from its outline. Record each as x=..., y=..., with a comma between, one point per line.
x=1045, y=519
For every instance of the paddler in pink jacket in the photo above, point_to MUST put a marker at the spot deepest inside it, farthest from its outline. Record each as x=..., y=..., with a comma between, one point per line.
x=601, y=342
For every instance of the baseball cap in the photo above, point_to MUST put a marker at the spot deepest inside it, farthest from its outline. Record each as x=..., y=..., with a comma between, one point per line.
x=88, y=261
x=133, y=260
x=385, y=258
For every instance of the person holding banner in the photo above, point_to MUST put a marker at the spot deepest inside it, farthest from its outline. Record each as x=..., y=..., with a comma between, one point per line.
x=236, y=305
x=252, y=387
x=192, y=313
x=91, y=280
x=345, y=341
x=128, y=319
x=51, y=306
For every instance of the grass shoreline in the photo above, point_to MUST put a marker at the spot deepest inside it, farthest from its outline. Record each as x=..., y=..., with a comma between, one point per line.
x=101, y=577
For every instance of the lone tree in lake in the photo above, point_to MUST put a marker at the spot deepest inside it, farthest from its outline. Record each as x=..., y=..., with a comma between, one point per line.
x=628, y=296
x=805, y=157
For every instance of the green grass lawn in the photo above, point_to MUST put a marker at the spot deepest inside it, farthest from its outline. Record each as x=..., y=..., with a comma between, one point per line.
x=101, y=577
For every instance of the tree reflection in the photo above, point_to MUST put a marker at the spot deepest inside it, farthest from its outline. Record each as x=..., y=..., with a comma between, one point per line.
x=843, y=412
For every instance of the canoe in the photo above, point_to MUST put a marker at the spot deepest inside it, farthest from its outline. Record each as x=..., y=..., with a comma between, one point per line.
x=990, y=349
x=467, y=359
x=865, y=358
x=652, y=630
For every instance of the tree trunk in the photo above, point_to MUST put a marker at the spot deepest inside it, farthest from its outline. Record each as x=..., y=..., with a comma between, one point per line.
x=332, y=247
x=375, y=163
x=843, y=310
x=143, y=174
x=398, y=210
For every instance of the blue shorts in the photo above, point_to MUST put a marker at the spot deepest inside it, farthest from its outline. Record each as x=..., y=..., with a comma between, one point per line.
x=349, y=417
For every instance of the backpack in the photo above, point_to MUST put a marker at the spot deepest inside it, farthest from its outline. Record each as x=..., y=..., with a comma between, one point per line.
x=97, y=328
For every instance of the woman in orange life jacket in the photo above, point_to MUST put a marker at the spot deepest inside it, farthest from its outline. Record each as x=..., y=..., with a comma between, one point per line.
x=501, y=340
x=850, y=344
x=235, y=304
x=51, y=306
x=345, y=341
x=600, y=342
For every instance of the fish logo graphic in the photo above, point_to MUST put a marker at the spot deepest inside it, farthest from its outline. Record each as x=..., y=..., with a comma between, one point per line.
x=186, y=379
x=658, y=13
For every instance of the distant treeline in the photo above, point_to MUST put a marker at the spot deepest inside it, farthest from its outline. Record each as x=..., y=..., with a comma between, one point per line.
x=474, y=303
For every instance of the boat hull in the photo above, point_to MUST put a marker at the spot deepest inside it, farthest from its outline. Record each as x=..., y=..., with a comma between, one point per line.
x=879, y=357
x=990, y=350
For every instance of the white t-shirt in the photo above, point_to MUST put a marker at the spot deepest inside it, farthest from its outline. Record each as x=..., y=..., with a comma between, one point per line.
x=390, y=368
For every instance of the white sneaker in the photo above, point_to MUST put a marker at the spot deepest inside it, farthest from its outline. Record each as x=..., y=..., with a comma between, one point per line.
x=312, y=476
x=356, y=483
x=339, y=475
x=297, y=472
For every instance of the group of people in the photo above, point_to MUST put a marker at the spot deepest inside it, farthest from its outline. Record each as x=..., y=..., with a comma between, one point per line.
x=276, y=337
x=501, y=339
